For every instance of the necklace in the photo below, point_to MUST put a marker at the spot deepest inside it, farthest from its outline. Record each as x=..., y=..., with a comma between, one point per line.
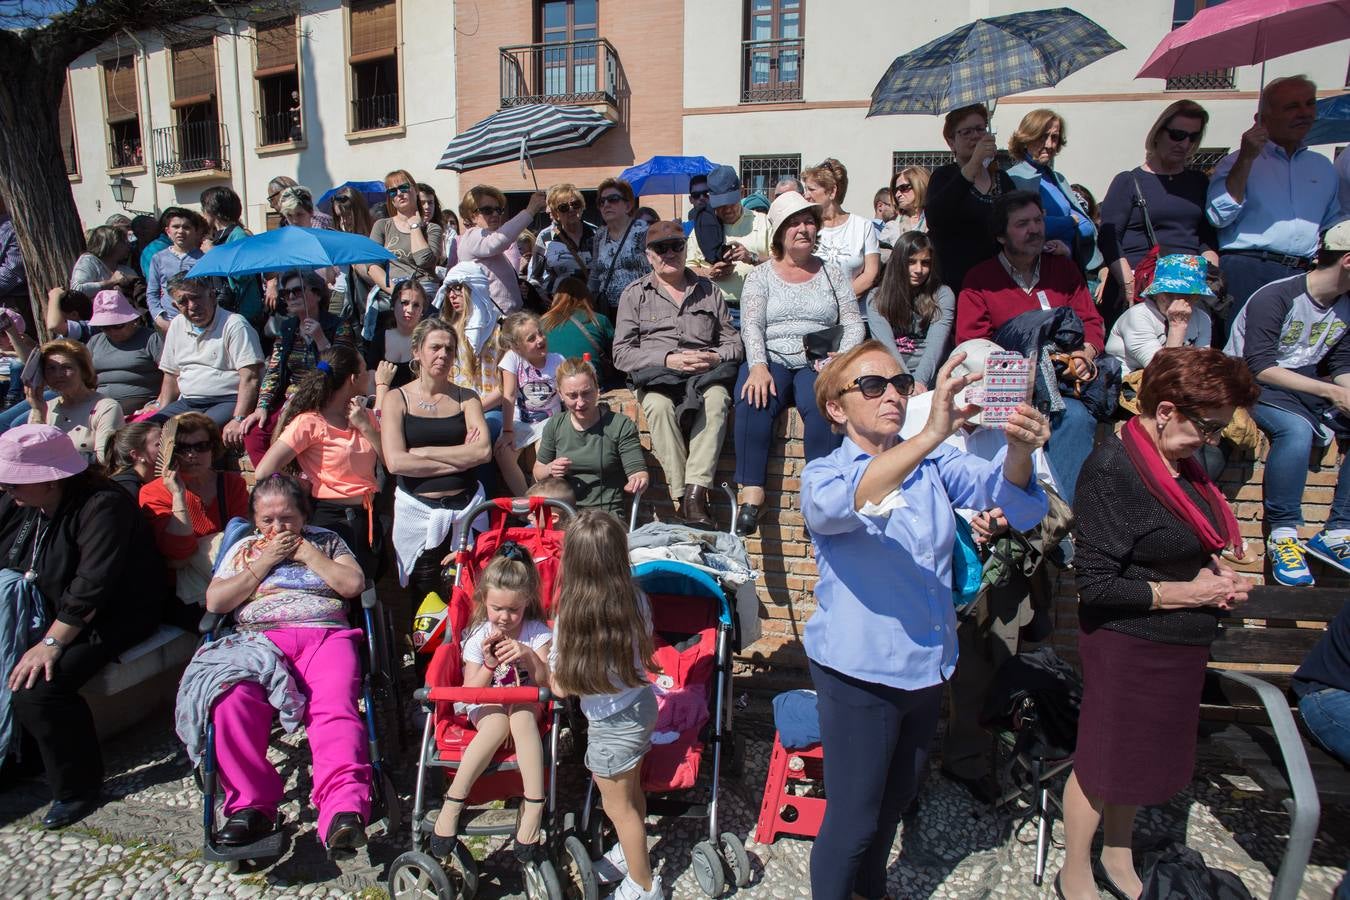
x=31, y=574
x=428, y=405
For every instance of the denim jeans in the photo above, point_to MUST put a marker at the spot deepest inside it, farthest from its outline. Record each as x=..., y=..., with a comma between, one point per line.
x=487, y=474
x=1291, y=442
x=1072, y=431
x=754, y=426
x=18, y=413
x=1327, y=715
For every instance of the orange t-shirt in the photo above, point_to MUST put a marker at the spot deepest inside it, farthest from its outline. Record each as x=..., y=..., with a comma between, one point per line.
x=339, y=462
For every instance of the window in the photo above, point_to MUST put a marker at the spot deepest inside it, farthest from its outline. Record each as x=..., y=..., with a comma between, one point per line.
x=277, y=73
x=760, y=173
x=1206, y=158
x=569, y=30
x=196, y=141
x=929, y=159
x=771, y=55
x=374, y=64
x=122, y=101
x=1214, y=80
x=65, y=123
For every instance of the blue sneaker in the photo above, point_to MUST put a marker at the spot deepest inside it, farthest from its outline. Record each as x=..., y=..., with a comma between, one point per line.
x=1332, y=552
x=1287, y=563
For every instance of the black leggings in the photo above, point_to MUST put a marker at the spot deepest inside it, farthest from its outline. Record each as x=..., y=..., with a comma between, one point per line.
x=60, y=723
x=352, y=525
x=426, y=575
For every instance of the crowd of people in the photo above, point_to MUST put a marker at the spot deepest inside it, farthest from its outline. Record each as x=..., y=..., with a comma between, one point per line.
x=376, y=404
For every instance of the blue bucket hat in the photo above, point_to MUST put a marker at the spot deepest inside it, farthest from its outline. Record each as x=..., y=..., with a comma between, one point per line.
x=1180, y=273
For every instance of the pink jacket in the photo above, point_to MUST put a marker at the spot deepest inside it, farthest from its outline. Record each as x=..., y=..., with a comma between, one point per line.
x=494, y=251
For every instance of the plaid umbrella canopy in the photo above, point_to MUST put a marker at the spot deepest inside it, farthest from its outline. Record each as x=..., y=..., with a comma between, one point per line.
x=520, y=131
x=991, y=58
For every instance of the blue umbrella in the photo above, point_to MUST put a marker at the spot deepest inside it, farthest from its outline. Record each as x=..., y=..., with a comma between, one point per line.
x=1333, y=122
x=665, y=174
x=373, y=191
x=290, y=248
x=991, y=58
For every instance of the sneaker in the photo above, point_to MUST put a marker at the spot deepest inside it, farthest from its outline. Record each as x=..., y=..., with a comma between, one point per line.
x=1288, y=565
x=629, y=890
x=1332, y=552
x=612, y=866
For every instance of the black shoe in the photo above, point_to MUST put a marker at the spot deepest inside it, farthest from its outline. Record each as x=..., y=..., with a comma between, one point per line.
x=345, y=834
x=244, y=827
x=532, y=852
x=1106, y=882
x=984, y=789
x=747, y=520
x=441, y=846
x=68, y=812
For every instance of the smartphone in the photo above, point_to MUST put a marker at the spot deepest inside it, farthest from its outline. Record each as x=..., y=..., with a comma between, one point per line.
x=1006, y=383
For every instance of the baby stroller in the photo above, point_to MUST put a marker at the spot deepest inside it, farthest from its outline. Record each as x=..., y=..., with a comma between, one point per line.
x=378, y=708
x=694, y=632
x=447, y=733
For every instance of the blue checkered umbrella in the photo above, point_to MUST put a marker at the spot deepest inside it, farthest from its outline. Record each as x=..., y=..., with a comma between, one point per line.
x=991, y=58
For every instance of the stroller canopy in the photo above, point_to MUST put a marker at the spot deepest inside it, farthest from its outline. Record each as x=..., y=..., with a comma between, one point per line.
x=680, y=579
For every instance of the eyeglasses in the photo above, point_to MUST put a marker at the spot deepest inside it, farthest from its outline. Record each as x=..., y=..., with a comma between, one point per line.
x=292, y=291
x=272, y=198
x=674, y=245
x=873, y=386
x=1179, y=135
x=571, y=206
x=398, y=189
x=490, y=210
x=611, y=198
x=1208, y=428
x=903, y=188
x=700, y=195
x=196, y=447
x=972, y=131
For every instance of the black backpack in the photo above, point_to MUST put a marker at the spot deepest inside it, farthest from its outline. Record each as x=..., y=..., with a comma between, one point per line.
x=1177, y=872
x=1036, y=695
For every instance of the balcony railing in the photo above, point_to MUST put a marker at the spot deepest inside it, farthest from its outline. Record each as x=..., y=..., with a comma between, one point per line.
x=771, y=71
x=125, y=155
x=565, y=73
x=1214, y=80
x=375, y=112
x=194, y=147
x=279, y=128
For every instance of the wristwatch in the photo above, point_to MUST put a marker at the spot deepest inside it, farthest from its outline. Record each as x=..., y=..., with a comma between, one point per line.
x=53, y=642
x=238, y=418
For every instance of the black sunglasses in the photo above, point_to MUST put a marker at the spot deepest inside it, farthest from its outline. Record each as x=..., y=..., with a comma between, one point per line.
x=196, y=447
x=903, y=188
x=1179, y=135
x=699, y=195
x=873, y=386
x=674, y=245
x=292, y=291
x=342, y=200
x=397, y=189
x=611, y=198
x=1208, y=428
x=490, y=210
x=571, y=206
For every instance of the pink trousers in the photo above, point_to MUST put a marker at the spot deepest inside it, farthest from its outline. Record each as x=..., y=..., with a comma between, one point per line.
x=327, y=670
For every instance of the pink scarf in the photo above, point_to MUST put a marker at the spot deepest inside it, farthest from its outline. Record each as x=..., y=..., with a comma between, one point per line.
x=1148, y=462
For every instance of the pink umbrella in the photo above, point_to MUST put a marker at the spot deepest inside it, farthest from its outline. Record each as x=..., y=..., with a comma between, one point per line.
x=1247, y=32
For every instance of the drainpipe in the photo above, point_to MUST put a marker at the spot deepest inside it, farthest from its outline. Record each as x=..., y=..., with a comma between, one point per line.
x=238, y=109
x=149, y=123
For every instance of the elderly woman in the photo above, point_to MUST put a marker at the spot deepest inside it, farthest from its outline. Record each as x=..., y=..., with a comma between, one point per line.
x=596, y=450
x=125, y=352
x=80, y=560
x=1150, y=586
x=490, y=241
x=1160, y=202
x=786, y=306
x=620, y=247
x=961, y=194
x=414, y=240
x=1172, y=314
x=78, y=408
x=103, y=267
x=909, y=189
x=882, y=642
x=1039, y=138
x=846, y=239
x=303, y=337
x=288, y=587
x=563, y=249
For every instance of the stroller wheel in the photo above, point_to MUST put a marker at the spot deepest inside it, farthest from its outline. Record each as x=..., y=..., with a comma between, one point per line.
x=733, y=851
x=708, y=869
x=541, y=882
x=599, y=833
x=417, y=876
x=577, y=875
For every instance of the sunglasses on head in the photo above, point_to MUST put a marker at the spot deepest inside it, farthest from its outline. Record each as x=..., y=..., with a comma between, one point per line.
x=571, y=206
x=611, y=198
x=873, y=386
x=1208, y=428
x=661, y=248
x=398, y=189
x=490, y=210
x=1180, y=134
x=342, y=200
x=195, y=447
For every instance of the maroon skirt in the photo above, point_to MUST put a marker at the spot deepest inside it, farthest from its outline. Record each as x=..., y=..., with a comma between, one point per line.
x=1141, y=711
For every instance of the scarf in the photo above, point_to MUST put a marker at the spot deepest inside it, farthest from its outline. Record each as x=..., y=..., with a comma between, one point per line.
x=1153, y=471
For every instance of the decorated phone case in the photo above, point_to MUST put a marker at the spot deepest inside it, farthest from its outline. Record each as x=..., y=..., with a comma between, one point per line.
x=1006, y=384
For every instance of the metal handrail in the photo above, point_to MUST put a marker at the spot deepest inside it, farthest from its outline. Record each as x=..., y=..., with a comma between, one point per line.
x=560, y=72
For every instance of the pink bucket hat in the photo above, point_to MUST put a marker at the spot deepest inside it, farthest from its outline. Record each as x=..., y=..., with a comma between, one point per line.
x=32, y=454
x=112, y=308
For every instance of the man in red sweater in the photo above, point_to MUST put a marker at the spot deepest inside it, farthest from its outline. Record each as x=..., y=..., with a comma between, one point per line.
x=1025, y=275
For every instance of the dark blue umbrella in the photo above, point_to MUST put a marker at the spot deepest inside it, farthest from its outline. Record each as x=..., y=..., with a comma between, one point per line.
x=373, y=191
x=991, y=58
x=1333, y=121
x=290, y=248
x=665, y=174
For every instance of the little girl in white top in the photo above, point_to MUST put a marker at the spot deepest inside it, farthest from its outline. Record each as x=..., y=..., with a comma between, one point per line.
x=529, y=393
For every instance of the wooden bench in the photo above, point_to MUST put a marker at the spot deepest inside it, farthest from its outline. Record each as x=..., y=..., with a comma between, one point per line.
x=1249, y=710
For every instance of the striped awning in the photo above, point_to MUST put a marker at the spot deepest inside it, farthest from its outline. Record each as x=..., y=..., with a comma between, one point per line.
x=535, y=129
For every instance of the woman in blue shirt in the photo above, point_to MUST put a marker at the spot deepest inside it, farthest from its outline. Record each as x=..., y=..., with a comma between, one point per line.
x=883, y=639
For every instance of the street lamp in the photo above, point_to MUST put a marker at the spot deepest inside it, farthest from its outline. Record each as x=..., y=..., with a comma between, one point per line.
x=123, y=190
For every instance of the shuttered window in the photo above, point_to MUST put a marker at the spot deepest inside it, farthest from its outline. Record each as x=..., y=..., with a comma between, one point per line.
x=194, y=74
x=119, y=85
x=276, y=48
x=374, y=29
x=66, y=124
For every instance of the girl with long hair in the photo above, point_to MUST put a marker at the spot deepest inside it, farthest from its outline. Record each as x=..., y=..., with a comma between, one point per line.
x=603, y=651
x=574, y=328
x=389, y=349
x=132, y=456
x=912, y=312
x=529, y=394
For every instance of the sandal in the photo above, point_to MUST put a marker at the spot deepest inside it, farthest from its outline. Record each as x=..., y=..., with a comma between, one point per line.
x=533, y=851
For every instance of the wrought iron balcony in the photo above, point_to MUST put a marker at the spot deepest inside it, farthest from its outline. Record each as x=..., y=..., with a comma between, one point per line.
x=1214, y=80
x=126, y=154
x=771, y=71
x=564, y=73
x=200, y=149
x=279, y=128
x=375, y=112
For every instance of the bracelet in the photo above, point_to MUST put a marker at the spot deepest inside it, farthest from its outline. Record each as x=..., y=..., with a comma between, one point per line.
x=250, y=571
x=1156, y=590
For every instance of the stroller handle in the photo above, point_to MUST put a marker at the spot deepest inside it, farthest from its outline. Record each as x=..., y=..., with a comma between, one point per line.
x=506, y=506
x=483, y=695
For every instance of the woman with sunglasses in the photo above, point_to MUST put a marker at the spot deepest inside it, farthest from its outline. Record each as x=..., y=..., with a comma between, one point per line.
x=414, y=240
x=1173, y=205
x=882, y=642
x=620, y=248
x=909, y=190
x=563, y=249
x=351, y=215
x=491, y=241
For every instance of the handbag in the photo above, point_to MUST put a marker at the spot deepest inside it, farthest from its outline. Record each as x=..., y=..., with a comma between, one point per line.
x=820, y=344
x=1143, y=272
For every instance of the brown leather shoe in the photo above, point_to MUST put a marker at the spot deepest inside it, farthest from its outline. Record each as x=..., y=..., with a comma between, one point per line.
x=694, y=507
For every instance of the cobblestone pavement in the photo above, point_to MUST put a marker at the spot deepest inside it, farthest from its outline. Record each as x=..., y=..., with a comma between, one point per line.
x=145, y=842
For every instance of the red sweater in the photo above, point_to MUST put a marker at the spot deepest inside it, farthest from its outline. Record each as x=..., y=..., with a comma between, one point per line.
x=990, y=298
x=157, y=504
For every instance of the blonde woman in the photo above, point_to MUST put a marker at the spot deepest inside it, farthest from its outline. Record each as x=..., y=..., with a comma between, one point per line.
x=847, y=240
x=909, y=190
x=490, y=240
x=563, y=249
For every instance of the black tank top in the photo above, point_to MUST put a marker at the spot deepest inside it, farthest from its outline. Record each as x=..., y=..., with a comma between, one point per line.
x=424, y=431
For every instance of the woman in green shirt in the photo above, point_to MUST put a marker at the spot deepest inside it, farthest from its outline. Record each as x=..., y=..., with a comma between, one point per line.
x=574, y=328
x=594, y=448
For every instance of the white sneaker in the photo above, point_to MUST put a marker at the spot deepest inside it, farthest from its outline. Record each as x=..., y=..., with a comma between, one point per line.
x=629, y=890
x=612, y=866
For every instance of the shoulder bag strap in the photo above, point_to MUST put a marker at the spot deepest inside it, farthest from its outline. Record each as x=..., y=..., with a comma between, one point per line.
x=574, y=248
x=1143, y=206
x=220, y=500
x=614, y=264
